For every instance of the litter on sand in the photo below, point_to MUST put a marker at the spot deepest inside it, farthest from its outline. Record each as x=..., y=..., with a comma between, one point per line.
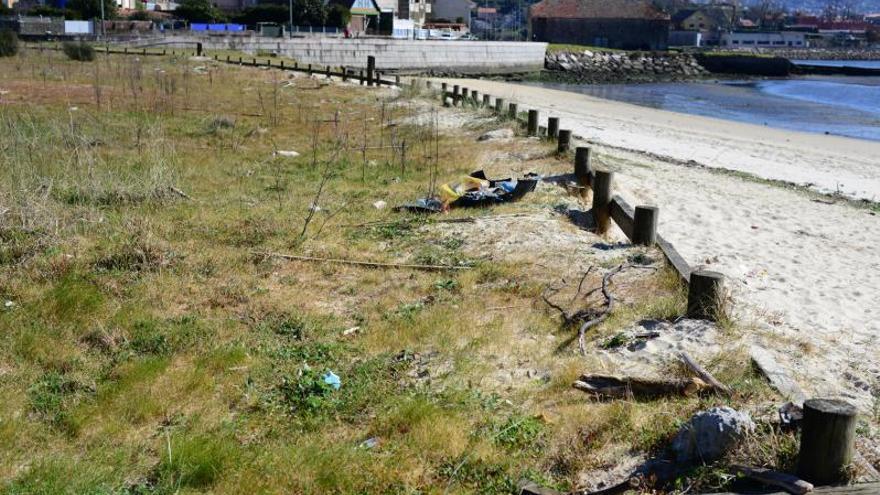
x=474, y=190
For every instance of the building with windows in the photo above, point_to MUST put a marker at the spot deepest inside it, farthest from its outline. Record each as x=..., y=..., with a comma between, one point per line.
x=761, y=39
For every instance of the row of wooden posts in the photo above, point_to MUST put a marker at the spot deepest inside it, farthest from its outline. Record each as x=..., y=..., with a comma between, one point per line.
x=639, y=224
x=828, y=430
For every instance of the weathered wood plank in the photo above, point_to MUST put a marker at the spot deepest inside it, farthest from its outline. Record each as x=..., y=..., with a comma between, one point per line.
x=623, y=215
x=675, y=259
x=860, y=489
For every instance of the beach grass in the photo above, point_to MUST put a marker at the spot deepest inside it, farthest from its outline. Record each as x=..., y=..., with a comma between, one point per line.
x=149, y=344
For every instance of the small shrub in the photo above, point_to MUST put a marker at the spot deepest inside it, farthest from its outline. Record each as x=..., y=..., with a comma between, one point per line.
x=8, y=43
x=83, y=52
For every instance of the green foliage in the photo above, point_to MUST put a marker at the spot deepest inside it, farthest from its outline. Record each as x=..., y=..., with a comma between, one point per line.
x=519, y=432
x=193, y=462
x=81, y=51
x=73, y=300
x=91, y=9
x=51, y=395
x=8, y=43
x=338, y=16
x=198, y=11
x=162, y=338
x=264, y=13
x=305, y=12
x=307, y=392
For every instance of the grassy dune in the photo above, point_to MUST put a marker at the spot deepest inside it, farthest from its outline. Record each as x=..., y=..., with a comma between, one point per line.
x=148, y=346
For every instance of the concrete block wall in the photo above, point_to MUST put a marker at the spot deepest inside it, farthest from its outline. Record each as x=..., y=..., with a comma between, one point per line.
x=436, y=55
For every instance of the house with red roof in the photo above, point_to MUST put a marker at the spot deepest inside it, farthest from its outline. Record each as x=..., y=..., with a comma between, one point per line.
x=621, y=24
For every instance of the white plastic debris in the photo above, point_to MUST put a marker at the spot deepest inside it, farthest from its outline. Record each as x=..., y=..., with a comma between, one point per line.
x=287, y=153
x=380, y=205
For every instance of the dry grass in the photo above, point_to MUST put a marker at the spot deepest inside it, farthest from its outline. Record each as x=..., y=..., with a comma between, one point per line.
x=147, y=349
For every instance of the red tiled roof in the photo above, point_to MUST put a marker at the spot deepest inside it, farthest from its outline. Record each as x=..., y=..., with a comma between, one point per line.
x=597, y=9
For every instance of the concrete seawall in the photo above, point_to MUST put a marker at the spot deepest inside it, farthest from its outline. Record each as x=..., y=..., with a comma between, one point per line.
x=438, y=56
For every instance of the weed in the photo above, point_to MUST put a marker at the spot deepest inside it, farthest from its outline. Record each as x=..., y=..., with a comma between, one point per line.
x=80, y=51
x=519, y=432
x=8, y=43
x=306, y=392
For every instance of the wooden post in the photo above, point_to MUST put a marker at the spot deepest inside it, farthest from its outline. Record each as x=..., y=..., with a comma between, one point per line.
x=533, y=122
x=144, y=52
x=239, y=60
x=362, y=78
x=827, y=435
x=429, y=85
x=582, y=169
x=487, y=101
x=464, y=96
x=456, y=94
x=397, y=80
x=124, y=50
x=282, y=65
x=199, y=49
x=602, y=200
x=371, y=68
x=564, y=143
x=552, y=127
x=310, y=69
x=645, y=225
x=444, y=87
x=704, y=293
x=512, y=110
x=344, y=74
x=499, y=105
x=475, y=96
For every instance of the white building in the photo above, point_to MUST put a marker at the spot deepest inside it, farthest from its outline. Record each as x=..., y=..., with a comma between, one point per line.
x=757, y=39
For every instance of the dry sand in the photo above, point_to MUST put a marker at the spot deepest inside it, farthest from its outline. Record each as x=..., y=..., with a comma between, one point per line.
x=805, y=274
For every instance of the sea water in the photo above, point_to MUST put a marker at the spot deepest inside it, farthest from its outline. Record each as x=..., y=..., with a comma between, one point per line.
x=840, y=105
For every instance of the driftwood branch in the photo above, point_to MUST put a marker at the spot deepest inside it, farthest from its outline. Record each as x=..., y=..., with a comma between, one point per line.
x=609, y=306
x=371, y=264
x=607, y=386
x=704, y=375
x=789, y=483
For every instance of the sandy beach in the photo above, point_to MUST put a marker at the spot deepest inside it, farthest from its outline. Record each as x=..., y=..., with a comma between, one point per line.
x=804, y=271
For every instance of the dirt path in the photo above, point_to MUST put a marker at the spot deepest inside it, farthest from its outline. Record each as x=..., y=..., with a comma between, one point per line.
x=806, y=273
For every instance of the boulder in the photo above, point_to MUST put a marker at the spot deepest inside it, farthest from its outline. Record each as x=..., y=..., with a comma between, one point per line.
x=708, y=435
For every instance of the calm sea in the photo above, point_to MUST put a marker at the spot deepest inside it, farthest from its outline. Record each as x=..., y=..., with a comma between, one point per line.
x=846, y=106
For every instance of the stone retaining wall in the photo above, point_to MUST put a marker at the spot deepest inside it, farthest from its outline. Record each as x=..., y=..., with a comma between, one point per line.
x=432, y=56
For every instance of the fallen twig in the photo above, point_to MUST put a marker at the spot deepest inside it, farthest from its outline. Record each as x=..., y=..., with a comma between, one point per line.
x=372, y=264
x=703, y=374
x=609, y=305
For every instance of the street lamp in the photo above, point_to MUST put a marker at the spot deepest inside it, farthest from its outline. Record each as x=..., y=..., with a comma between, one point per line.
x=290, y=24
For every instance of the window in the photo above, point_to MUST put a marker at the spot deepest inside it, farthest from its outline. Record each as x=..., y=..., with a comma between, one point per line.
x=798, y=43
x=763, y=42
x=735, y=42
x=748, y=42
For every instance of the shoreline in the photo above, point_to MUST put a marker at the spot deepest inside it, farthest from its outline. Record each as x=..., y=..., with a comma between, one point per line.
x=801, y=268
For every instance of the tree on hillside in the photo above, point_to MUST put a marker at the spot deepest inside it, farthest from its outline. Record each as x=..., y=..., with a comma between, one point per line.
x=91, y=9
x=198, y=11
x=263, y=13
x=305, y=12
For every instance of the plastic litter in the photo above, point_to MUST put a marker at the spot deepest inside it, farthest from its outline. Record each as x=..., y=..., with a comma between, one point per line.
x=475, y=190
x=332, y=379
